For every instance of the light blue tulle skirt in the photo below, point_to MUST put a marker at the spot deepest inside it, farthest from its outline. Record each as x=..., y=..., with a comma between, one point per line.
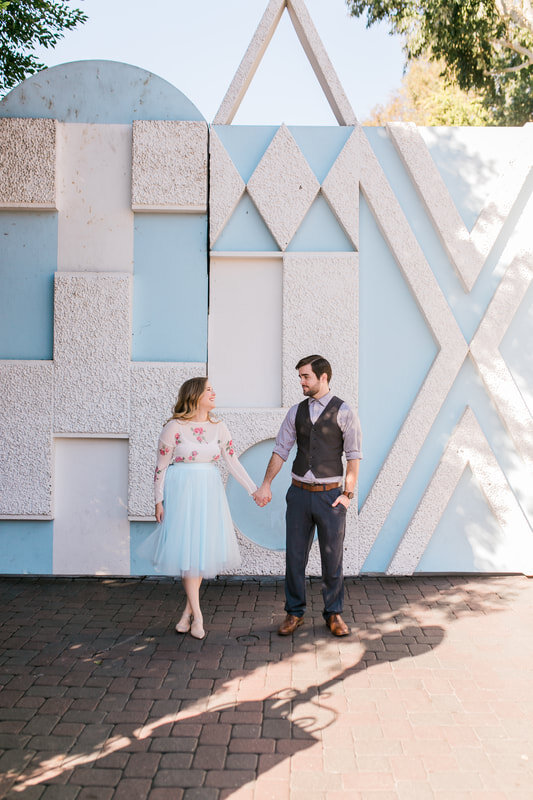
x=196, y=537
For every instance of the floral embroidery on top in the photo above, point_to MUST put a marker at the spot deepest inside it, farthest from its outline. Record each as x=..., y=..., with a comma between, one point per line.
x=178, y=444
x=199, y=434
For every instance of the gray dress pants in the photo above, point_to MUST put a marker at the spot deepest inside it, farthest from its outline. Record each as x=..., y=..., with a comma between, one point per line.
x=305, y=511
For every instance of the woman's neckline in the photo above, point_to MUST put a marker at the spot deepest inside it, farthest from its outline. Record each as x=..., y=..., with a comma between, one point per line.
x=198, y=421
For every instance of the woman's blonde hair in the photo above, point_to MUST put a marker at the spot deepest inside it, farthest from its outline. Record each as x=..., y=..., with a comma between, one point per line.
x=188, y=397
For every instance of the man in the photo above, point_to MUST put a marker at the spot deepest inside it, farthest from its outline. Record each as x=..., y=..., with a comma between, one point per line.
x=323, y=427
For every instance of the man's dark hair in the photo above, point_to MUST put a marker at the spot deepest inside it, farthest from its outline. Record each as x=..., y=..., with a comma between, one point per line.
x=319, y=365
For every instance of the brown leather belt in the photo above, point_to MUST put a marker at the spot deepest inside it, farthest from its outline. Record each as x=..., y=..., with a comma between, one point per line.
x=315, y=487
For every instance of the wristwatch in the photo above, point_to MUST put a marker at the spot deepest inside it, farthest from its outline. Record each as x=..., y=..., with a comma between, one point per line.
x=349, y=495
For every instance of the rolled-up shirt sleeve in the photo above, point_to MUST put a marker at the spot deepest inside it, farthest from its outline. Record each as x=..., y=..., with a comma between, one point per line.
x=351, y=430
x=287, y=434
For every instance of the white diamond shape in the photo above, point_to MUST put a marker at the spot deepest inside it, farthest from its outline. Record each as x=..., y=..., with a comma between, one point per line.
x=341, y=189
x=283, y=187
x=226, y=187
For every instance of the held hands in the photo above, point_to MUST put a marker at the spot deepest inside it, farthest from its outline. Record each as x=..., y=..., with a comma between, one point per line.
x=262, y=496
x=159, y=513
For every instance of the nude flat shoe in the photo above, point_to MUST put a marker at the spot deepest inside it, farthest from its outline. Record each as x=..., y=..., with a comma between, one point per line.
x=184, y=625
x=197, y=629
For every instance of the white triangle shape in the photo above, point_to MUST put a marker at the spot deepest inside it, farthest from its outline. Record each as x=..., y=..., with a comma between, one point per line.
x=314, y=50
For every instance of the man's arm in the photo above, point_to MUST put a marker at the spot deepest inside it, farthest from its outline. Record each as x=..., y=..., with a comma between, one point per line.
x=284, y=442
x=264, y=494
x=352, y=473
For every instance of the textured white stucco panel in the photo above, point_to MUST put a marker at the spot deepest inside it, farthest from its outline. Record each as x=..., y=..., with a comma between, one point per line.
x=92, y=345
x=283, y=187
x=154, y=389
x=95, y=221
x=28, y=163
x=169, y=165
x=320, y=314
x=249, y=426
x=226, y=187
x=26, y=403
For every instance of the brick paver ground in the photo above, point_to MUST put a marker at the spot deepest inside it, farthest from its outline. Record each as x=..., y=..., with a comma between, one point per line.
x=431, y=696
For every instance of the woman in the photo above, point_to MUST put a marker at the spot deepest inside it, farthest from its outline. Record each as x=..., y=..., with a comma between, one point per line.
x=195, y=536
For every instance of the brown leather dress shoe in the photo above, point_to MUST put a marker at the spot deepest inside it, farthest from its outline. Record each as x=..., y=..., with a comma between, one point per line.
x=337, y=625
x=289, y=625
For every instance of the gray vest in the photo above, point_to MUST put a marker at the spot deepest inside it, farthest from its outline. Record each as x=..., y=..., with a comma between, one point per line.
x=320, y=446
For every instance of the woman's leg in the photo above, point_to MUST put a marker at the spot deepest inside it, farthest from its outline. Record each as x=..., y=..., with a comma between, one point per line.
x=192, y=590
x=184, y=624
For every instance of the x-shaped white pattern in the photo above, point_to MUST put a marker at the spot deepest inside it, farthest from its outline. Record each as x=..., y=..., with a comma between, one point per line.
x=484, y=351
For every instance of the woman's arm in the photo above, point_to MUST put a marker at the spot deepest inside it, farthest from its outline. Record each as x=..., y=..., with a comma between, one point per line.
x=234, y=465
x=165, y=452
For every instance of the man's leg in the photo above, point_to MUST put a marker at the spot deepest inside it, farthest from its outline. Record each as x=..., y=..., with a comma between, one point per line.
x=331, y=525
x=299, y=537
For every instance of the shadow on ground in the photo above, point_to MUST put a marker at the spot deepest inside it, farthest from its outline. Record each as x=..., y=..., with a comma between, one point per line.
x=100, y=694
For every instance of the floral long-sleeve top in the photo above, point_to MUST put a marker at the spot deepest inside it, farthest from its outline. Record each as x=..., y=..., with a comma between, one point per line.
x=191, y=442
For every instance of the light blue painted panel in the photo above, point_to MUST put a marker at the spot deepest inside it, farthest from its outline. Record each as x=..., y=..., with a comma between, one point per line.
x=97, y=92
x=26, y=547
x=467, y=390
x=246, y=230
x=467, y=536
x=517, y=350
x=468, y=308
x=139, y=531
x=28, y=260
x=246, y=145
x=320, y=145
x=396, y=349
x=320, y=231
x=264, y=526
x=170, y=287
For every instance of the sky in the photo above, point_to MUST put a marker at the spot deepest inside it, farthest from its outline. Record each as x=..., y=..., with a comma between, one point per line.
x=197, y=45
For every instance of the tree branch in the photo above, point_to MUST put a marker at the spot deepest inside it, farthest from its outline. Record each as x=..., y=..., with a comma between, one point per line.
x=517, y=48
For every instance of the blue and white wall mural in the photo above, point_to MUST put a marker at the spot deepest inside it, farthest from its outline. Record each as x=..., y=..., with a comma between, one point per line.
x=140, y=246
